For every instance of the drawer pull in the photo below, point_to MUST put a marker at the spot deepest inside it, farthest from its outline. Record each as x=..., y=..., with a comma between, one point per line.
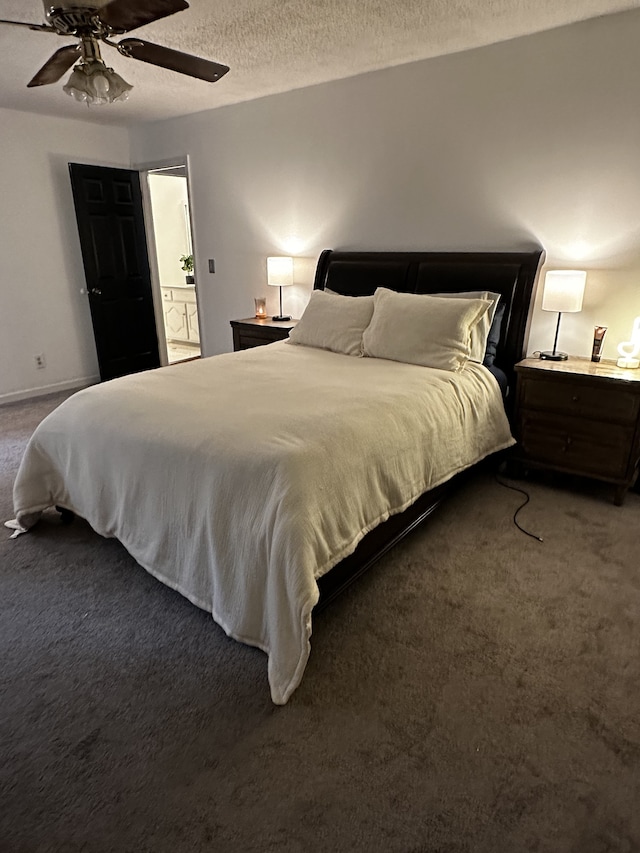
x=575, y=398
x=567, y=443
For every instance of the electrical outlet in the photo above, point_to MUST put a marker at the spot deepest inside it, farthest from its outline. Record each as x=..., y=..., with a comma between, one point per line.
x=40, y=360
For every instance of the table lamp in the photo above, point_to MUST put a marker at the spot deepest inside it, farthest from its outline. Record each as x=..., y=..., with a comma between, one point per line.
x=563, y=292
x=630, y=350
x=280, y=274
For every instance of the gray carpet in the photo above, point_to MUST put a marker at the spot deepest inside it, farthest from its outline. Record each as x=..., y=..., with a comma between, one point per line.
x=477, y=691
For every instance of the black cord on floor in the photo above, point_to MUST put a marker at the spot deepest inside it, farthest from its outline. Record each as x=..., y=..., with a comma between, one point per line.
x=522, y=506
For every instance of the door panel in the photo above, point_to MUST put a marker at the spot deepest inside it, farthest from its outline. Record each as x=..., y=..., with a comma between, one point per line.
x=108, y=205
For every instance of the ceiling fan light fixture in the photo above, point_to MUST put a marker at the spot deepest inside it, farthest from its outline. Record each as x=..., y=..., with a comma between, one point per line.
x=93, y=22
x=94, y=83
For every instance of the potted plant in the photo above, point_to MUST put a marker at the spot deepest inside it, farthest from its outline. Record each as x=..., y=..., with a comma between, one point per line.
x=187, y=266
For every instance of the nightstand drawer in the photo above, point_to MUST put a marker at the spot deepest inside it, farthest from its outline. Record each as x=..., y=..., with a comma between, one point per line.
x=247, y=341
x=582, y=400
x=572, y=444
x=256, y=333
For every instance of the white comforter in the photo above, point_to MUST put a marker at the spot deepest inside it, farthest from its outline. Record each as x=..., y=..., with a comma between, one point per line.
x=239, y=480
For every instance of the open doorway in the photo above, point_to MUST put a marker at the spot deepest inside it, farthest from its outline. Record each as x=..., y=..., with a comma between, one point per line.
x=172, y=240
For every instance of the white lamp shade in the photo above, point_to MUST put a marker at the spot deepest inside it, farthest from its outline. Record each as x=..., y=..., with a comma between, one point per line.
x=279, y=271
x=563, y=290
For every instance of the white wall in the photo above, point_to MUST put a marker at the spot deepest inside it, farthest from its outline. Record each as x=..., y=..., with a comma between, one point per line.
x=533, y=141
x=41, y=274
x=168, y=198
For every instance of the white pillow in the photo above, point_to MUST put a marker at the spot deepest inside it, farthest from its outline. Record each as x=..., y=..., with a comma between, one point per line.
x=334, y=322
x=432, y=331
x=480, y=331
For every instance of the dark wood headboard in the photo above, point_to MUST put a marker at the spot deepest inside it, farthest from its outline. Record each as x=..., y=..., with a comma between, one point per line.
x=512, y=274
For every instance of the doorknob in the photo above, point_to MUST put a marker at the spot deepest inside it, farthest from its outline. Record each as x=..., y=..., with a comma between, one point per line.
x=95, y=291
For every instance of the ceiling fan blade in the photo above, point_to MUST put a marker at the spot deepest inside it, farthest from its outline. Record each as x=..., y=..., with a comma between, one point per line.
x=174, y=60
x=30, y=26
x=54, y=68
x=125, y=15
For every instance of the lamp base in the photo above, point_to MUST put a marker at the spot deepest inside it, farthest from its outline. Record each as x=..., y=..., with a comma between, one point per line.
x=554, y=356
x=628, y=362
x=280, y=317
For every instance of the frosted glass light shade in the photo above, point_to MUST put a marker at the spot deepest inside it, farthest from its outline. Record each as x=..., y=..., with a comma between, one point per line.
x=563, y=290
x=94, y=83
x=279, y=271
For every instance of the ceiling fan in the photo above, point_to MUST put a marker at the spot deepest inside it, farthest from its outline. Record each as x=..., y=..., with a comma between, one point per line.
x=95, y=21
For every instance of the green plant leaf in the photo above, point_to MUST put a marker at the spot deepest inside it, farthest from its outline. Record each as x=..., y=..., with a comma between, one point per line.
x=187, y=263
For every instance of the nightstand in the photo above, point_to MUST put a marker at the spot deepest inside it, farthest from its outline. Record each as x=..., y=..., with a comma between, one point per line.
x=254, y=332
x=579, y=417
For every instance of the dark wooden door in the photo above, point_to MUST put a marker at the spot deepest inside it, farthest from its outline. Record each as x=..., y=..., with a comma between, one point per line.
x=108, y=205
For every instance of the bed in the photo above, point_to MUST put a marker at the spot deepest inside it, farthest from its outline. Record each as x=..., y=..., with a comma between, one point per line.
x=297, y=465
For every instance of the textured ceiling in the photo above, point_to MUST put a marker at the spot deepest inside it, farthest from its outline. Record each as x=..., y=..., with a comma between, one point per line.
x=275, y=46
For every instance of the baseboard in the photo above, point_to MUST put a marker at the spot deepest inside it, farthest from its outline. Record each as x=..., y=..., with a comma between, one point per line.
x=31, y=393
